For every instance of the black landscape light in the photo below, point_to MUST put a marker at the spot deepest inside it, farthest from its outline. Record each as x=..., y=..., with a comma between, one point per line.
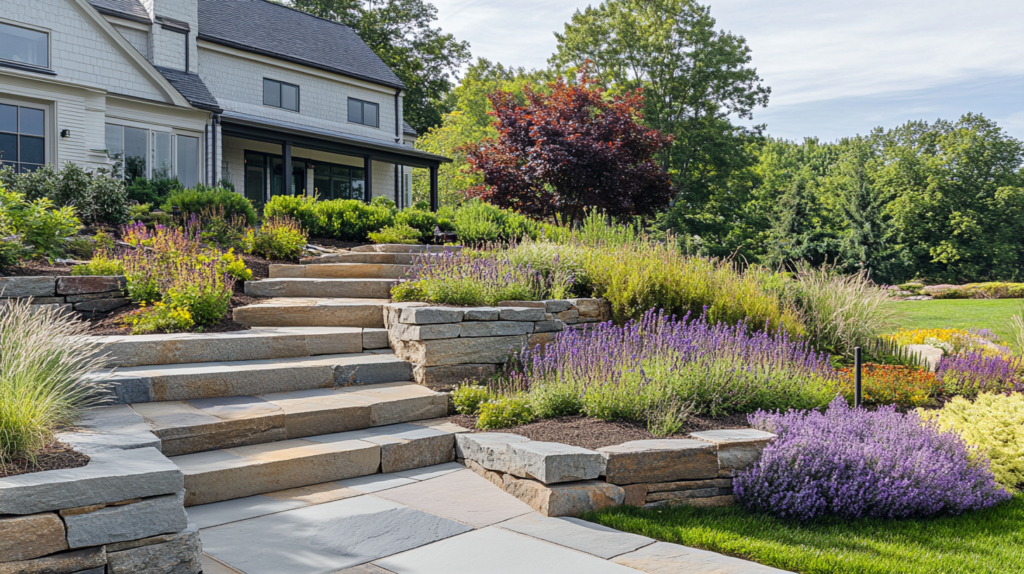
x=857, y=364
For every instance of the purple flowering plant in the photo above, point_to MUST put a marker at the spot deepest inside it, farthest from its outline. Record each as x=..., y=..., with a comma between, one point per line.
x=968, y=374
x=856, y=463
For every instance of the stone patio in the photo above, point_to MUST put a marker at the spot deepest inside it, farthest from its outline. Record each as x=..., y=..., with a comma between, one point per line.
x=443, y=519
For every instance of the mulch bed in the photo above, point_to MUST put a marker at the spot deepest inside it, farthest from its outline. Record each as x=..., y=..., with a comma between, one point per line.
x=592, y=433
x=55, y=456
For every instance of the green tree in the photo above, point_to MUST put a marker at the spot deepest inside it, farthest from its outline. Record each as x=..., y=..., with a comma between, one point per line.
x=402, y=34
x=694, y=79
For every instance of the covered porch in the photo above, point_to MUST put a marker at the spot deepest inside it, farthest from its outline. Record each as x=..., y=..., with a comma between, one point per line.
x=263, y=158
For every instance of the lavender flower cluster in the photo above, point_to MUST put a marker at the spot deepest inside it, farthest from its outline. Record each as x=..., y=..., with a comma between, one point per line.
x=971, y=373
x=855, y=463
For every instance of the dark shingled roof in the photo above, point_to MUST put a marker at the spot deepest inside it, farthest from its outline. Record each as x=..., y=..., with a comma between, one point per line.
x=192, y=87
x=280, y=32
x=127, y=9
x=407, y=129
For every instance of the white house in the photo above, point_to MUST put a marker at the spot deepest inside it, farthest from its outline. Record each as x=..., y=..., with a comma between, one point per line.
x=269, y=98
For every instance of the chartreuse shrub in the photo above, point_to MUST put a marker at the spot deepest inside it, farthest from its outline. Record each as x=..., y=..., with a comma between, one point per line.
x=855, y=463
x=203, y=198
x=100, y=264
x=505, y=411
x=468, y=398
x=994, y=423
x=44, y=359
x=278, y=238
x=399, y=234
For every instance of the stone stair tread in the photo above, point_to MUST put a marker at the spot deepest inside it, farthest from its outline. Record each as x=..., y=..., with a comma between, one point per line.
x=214, y=367
x=313, y=311
x=339, y=271
x=320, y=287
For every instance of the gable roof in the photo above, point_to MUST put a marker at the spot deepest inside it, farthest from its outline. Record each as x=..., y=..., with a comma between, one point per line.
x=281, y=32
x=127, y=9
x=192, y=87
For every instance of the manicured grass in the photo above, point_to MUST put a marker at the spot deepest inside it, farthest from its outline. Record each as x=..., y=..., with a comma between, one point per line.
x=991, y=314
x=990, y=540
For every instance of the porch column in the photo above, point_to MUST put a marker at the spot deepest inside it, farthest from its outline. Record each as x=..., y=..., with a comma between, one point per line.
x=435, y=204
x=368, y=168
x=287, y=168
x=398, y=189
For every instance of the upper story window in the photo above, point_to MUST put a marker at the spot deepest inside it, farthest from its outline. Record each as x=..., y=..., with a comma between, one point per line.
x=24, y=46
x=360, y=112
x=280, y=95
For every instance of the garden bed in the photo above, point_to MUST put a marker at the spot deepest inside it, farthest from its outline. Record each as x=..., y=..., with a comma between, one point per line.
x=110, y=325
x=56, y=456
x=591, y=433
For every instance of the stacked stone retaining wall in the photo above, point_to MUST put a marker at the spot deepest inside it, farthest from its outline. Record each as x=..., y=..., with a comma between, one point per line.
x=89, y=296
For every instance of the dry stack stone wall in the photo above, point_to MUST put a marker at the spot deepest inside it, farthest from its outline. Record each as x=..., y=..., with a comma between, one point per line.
x=448, y=345
x=90, y=296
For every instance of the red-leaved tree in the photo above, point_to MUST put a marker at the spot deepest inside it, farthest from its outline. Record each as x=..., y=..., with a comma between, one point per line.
x=570, y=151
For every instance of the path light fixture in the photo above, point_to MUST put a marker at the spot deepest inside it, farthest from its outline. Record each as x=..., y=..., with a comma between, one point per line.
x=858, y=363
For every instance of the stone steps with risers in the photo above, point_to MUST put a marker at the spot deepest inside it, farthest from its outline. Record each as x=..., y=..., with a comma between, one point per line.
x=368, y=258
x=187, y=381
x=186, y=427
x=339, y=271
x=406, y=249
x=261, y=343
x=227, y=474
x=330, y=288
x=313, y=312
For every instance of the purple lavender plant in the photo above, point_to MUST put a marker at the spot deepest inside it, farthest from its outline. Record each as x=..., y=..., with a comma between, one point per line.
x=855, y=463
x=968, y=374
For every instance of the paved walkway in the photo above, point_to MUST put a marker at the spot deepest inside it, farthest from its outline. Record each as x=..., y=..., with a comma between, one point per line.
x=443, y=519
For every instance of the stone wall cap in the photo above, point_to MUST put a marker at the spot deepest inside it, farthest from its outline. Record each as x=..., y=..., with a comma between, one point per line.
x=430, y=315
x=732, y=436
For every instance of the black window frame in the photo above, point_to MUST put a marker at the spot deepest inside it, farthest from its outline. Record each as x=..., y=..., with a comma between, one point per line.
x=280, y=95
x=362, y=112
x=20, y=134
x=49, y=50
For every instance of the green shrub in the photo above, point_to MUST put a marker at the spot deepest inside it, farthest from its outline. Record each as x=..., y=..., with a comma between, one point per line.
x=153, y=191
x=98, y=197
x=206, y=302
x=160, y=317
x=227, y=202
x=505, y=412
x=468, y=398
x=300, y=208
x=218, y=228
x=278, y=238
x=45, y=359
x=41, y=225
x=11, y=253
x=422, y=221
x=101, y=264
x=350, y=219
x=401, y=234
x=86, y=247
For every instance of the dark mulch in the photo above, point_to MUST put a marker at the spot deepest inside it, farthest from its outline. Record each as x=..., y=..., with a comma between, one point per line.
x=39, y=269
x=111, y=324
x=260, y=267
x=593, y=433
x=55, y=456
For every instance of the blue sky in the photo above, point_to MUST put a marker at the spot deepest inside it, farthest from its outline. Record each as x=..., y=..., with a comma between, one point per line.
x=835, y=68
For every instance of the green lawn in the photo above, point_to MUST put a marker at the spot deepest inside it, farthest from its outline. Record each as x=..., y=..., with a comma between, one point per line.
x=985, y=541
x=991, y=314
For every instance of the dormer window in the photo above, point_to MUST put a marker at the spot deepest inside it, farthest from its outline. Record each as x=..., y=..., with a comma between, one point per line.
x=280, y=95
x=24, y=46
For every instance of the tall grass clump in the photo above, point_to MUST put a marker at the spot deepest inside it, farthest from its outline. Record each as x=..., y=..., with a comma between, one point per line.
x=659, y=370
x=44, y=358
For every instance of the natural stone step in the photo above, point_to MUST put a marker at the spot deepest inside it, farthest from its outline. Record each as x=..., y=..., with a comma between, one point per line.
x=186, y=427
x=355, y=288
x=257, y=469
x=189, y=381
x=313, y=312
x=253, y=345
x=401, y=248
x=339, y=271
x=370, y=258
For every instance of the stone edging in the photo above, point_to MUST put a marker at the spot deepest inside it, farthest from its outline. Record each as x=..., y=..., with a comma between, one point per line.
x=89, y=295
x=561, y=480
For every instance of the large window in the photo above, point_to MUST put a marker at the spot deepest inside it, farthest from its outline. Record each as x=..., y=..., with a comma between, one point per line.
x=22, y=137
x=24, y=46
x=153, y=154
x=265, y=172
x=338, y=181
x=360, y=112
x=280, y=95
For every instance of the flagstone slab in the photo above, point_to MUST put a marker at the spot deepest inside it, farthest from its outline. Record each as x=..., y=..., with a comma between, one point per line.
x=376, y=482
x=312, y=312
x=326, y=537
x=217, y=513
x=428, y=472
x=497, y=551
x=577, y=534
x=461, y=496
x=666, y=558
x=551, y=462
x=115, y=427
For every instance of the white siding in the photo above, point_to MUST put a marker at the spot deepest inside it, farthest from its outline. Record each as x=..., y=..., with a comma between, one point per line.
x=137, y=38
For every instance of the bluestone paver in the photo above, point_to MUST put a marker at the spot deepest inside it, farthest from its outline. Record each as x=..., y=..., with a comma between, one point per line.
x=666, y=558
x=376, y=482
x=577, y=534
x=464, y=496
x=428, y=472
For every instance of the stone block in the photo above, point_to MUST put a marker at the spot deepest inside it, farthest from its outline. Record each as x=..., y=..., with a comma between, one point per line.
x=110, y=476
x=90, y=284
x=326, y=288
x=689, y=485
x=447, y=377
x=530, y=304
x=78, y=561
x=737, y=448
x=570, y=316
x=557, y=305
x=42, y=301
x=660, y=460
x=551, y=462
x=490, y=450
x=386, y=370
x=406, y=446
x=101, y=305
x=707, y=502
x=523, y=314
x=181, y=553
x=375, y=339
x=481, y=314
x=682, y=494
x=117, y=427
x=588, y=308
x=496, y=478
x=407, y=332
x=548, y=326
x=95, y=296
x=28, y=537
x=28, y=287
x=495, y=328
x=540, y=339
x=150, y=517
x=565, y=499
x=475, y=350
x=636, y=494
x=430, y=315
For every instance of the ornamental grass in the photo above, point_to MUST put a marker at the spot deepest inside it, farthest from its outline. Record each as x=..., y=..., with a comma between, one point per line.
x=44, y=359
x=856, y=463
